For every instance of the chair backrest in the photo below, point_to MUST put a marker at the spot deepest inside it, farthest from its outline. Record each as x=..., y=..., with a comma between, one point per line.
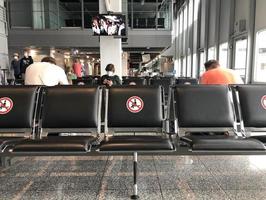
x=83, y=81
x=71, y=107
x=187, y=81
x=253, y=105
x=203, y=106
x=164, y=82
x=135, y=106
x=17, y=107
x=136, y=80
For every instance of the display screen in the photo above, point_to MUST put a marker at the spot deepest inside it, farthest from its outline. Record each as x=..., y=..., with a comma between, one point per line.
x=110, y=25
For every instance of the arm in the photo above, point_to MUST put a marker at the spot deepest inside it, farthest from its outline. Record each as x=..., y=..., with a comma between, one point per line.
x=63, y=78
x=203, y=80
x=117, y=80
x=31, y=60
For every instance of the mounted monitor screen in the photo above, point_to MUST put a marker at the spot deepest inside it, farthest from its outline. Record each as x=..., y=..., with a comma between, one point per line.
x=110, y=25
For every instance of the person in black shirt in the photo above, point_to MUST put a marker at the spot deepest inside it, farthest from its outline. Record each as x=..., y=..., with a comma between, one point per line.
x=110, y=79
x=15, y=66
x=25, y=62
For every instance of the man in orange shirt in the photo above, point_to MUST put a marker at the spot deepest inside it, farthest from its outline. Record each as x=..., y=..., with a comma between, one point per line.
x=217, y=75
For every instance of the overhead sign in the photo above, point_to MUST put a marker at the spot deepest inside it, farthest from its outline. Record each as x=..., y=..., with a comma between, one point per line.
x=135, y=104
x=6, y=105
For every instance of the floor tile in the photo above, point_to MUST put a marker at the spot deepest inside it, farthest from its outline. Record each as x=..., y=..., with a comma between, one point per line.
x=246, y=194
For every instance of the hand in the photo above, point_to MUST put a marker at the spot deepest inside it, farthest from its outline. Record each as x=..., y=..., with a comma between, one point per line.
x=110, y=83
x=105, y=81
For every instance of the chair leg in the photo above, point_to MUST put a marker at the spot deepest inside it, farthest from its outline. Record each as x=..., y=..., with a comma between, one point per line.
x=5, y=161
x=135, y=171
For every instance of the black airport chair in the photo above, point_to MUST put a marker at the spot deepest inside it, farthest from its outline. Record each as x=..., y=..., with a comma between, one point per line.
x=206, y=119
x=187, y=81
x=130, y=110
x=66, y=109
x=17, y=116
x=135, y=81
x=165, y=82
x=17, y=113
x=252, y=99
x=83, y=81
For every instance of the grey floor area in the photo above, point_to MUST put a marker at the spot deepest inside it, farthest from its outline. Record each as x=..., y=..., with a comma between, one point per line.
x=160, y=177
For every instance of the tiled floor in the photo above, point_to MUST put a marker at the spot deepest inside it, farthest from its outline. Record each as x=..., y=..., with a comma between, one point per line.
x=160, y=177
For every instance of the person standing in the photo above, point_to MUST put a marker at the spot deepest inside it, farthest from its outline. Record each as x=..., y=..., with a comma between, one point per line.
x=77, y=67
x=15, y=66
x=217, y=75
x=25, y=62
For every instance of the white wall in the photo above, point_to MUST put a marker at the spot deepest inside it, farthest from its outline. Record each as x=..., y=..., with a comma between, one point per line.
x=4, y=63
x=242, y=11
x=260, y=15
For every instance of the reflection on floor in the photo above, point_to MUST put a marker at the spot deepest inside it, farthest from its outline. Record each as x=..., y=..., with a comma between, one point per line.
x=160, y=177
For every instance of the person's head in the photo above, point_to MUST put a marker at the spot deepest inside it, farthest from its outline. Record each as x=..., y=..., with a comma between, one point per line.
x=16, y=56
x=49, y=59
x=110, y=69
x=26, y=52
x=211, y=64
x=76, y=60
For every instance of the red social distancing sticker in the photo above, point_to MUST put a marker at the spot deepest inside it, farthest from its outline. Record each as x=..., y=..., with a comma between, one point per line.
x=135, y=104
x=263, y=102
x=6, y=105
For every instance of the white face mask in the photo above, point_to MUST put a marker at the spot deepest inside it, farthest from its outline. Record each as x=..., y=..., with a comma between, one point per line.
x=110, y=73
x=15, y=57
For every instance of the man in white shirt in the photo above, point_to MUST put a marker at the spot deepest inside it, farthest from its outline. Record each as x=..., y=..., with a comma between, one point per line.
x=46, y=73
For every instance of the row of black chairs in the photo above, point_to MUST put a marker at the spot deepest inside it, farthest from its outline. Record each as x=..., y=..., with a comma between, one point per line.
x=208, y=119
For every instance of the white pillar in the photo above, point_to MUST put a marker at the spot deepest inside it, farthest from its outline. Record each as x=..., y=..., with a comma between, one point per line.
x=4, y=62
x=110, y=47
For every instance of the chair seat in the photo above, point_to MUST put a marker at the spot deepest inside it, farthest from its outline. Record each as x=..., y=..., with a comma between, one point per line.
x=56, y=144
x=136, y=144
x=223, y=143
x=261, y=138
x=10, y=140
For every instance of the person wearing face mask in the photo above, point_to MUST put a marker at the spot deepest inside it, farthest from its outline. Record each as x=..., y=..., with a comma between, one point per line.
x=110, y=79
x=15, y=66
x=25, y=62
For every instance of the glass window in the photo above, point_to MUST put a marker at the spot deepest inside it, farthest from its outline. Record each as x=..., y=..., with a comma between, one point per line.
x=70, y=13
x=223, y=55
x=190, y=13
x=241, y=57
x=185, y=18
x=260, y=67
x=20, y=13
x=212, y=53
x=184, y=38
x=188, y=66
x=196, y=10
x=194, y=65
x=129, y=10
x=91, y=9
x=183, y=66
x=180, y=39
x=38, y=14
x=144, y=14
x=164, y=15
x=45, y=14
x=202, y=61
